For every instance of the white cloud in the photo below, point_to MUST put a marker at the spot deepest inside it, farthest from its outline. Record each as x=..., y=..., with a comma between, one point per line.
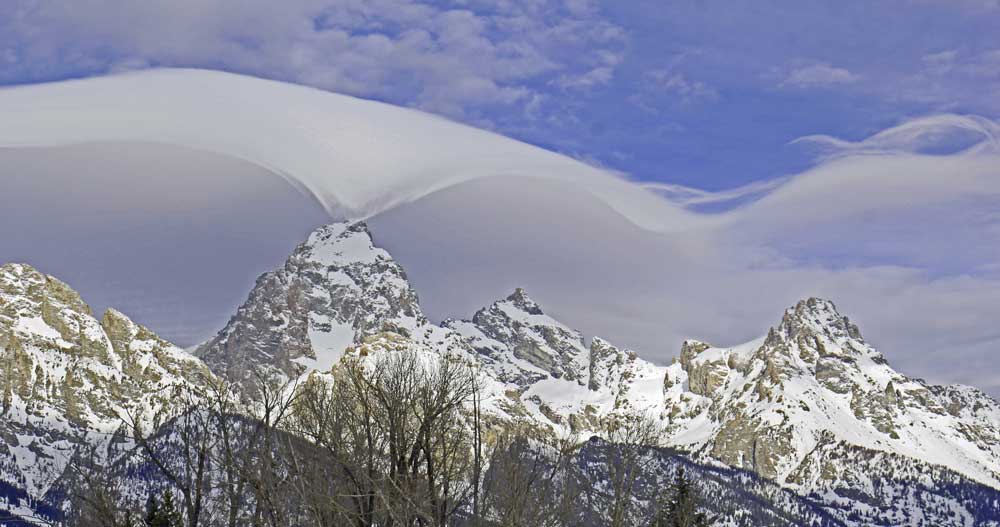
x=671, y=82
x=902, y=239
x=596, y=77
x=680, y=86
x=915, y=135
x=309, y=132
x=941, y=62
x=984, y=66
x=412, y=52
x=944, y=81
x=818, y=75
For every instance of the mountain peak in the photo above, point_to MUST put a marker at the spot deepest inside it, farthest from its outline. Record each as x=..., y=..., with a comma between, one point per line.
x=341, y=244
x=815, y=305
x=818, y=316
x=15, y=268
x=24, y=283
x=338, y=228
x=522, y=301
x=517, y=329
x=335, y=289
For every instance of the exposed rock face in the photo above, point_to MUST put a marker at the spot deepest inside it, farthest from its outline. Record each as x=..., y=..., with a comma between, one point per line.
x=335, y=289
x=616, y=371
x=704, y=376
x=607, y=365
x=517, y=330
x=66, y=377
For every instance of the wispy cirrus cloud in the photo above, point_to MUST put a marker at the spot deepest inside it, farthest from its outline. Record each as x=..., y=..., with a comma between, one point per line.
x=818, y=75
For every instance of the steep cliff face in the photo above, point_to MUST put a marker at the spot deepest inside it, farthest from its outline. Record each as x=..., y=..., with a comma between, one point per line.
x=68, y=379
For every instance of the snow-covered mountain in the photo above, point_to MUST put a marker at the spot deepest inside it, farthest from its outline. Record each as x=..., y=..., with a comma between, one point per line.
x=779, y=405
x=810, y=406
x=67, y=379
x=335, y=290
x=788, y=406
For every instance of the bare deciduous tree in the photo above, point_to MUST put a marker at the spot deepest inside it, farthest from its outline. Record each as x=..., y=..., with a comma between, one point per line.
x=392, y=440
x=632, y=435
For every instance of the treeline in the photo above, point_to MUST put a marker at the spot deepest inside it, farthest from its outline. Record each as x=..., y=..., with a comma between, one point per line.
x=400, y=440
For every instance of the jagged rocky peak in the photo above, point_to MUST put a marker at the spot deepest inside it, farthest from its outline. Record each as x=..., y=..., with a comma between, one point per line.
x=524, y=332
x=690, y=349
x=21, y=284
x=335, y=289
x=39, y=310
x=707, y=368
x=811, y=339
x=817, y=317
x=814, y=338
x=45, y=322
x=521, y=301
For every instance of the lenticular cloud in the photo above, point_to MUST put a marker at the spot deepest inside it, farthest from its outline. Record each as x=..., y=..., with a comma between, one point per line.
x=901, y=229
x=357, y=157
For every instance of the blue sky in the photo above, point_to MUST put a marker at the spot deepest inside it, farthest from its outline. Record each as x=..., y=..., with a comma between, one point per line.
x=701, y=93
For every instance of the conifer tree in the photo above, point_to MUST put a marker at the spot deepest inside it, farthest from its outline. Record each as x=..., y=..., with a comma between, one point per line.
x=162, y=514
x=153, y=513
x=679, y=507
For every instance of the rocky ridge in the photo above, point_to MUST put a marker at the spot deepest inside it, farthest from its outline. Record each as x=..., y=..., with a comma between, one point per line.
x=68, y=379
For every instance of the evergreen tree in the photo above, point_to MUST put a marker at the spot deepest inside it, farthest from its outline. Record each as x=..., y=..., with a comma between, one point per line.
x=162, y=514
x=679, y=507
x=152, y=512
